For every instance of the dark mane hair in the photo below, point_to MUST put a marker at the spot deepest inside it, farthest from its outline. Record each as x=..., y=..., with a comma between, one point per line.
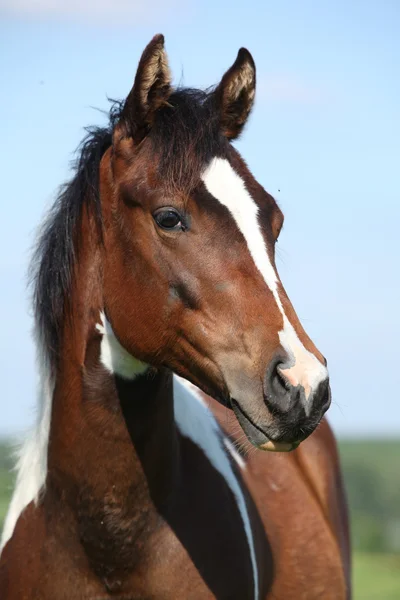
x=55, y=253
x=185, y=136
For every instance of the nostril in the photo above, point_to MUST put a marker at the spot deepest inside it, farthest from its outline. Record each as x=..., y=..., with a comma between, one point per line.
x=280, y=395
x=326, y=399
x=279, y=382
x=323, y=396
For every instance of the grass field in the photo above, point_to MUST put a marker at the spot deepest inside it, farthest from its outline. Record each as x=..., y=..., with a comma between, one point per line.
x=6, y=480
x=376, y=576
x=372, y=473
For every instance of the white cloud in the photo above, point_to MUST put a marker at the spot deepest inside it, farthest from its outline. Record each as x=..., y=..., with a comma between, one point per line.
x=88, y=11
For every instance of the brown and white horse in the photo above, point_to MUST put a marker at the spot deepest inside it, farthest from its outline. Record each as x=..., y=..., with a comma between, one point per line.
x=158, y=258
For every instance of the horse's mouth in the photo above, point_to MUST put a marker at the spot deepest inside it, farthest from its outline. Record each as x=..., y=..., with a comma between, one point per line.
x=256, y=435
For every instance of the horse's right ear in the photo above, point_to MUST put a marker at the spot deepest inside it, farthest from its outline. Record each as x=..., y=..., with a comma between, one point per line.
x=150, y=91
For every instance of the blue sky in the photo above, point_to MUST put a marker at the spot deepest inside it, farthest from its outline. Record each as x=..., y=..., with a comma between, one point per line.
x=324, y=138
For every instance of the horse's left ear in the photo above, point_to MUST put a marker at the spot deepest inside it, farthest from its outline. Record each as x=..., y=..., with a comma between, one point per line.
x=235, y=94
x=150, y=90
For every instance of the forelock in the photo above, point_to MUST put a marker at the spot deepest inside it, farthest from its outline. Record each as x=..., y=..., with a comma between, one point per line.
x=185, y=137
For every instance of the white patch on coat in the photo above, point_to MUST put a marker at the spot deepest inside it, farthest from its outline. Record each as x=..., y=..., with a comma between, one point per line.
x=32, y=461
x=196, y=422
x=114, y=357
x=193, y=419
x=230, y=190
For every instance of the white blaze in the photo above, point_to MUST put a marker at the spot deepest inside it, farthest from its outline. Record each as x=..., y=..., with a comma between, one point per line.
x=229, y=189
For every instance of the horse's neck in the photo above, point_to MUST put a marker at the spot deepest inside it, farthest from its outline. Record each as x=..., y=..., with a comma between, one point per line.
x=113, y=443
x=112, y=459
x=111, y=434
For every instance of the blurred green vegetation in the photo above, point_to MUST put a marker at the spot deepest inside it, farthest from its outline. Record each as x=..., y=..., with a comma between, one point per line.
x=6, y=478
x=371, y=471
x=376, y=576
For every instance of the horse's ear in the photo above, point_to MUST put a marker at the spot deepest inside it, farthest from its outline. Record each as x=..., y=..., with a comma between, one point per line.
x=235, y=94
x=150, y=90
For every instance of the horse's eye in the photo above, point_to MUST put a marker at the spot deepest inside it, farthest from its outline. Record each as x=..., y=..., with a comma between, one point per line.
x=168, y=219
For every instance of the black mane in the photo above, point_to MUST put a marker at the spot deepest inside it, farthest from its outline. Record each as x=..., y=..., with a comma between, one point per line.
x=185, y=136
x=55, y=253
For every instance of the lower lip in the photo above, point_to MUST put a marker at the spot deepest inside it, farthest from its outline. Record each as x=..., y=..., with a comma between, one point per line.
x=271, y=446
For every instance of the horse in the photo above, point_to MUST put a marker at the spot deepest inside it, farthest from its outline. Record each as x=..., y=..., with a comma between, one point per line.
x=176, y=381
